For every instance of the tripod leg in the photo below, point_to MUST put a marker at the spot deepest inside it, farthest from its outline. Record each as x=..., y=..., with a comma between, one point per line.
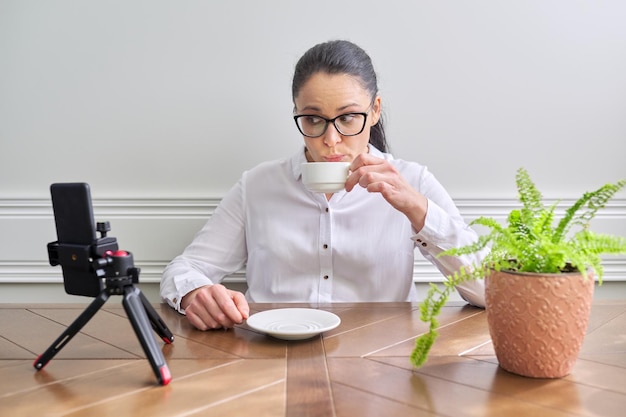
x=138, y=318
x=71, y=331
x=158, y=325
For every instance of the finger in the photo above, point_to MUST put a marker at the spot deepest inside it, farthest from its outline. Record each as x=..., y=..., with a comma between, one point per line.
x=360, y=166
x=359, y=177
x=205, y=307
x=198, y=321
x=242, y=304
x=352, y=180
x=229, y=313
x=366, y=159
x=357, y=162
x=226, y=310
x=371, y=178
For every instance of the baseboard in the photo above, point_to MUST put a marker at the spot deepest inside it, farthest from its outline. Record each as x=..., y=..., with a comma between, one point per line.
x=157, y=229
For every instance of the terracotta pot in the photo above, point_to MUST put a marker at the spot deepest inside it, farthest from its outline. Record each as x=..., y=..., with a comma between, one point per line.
x=538, y=321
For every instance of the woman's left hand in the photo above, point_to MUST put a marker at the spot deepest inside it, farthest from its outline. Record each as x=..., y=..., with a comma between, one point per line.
x=379, y=176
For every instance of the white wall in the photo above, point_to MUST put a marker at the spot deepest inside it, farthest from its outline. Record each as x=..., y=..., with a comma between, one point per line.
x=161, y=105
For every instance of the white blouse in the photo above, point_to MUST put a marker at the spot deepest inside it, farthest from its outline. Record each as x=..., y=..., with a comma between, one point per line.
x=299, y=247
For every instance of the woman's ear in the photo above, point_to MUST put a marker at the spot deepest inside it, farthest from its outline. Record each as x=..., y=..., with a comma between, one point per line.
x=376, y=109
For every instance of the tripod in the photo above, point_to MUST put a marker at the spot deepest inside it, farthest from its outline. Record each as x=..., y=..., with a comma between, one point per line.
x=120, y=275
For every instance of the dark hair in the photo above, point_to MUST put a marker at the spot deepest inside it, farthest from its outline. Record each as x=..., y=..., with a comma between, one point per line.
x=341, y=57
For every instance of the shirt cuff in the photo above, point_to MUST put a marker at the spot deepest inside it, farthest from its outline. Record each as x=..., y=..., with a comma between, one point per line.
x=436, y=228
x=184, y=284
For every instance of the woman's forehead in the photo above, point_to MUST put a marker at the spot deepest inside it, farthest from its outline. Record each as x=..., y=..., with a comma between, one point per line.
x=338, y=90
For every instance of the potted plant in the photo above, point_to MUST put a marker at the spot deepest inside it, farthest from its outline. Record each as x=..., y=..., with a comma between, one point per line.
x=539, y=281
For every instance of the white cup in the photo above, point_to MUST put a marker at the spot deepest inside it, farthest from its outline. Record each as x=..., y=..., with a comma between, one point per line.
x=325, y=177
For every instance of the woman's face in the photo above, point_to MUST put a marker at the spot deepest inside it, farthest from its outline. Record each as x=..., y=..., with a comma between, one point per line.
x=329, y=96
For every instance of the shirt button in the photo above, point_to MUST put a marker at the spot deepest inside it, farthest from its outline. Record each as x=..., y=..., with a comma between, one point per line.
x=418, y=240
x=325, y=276
x=424, y=244
x=326, y=209
x=325, y=246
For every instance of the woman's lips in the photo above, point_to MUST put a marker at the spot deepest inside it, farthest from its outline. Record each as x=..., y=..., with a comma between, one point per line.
x=333, y=158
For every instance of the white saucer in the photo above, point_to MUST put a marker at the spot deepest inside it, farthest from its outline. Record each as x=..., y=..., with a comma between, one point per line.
x=293, y=323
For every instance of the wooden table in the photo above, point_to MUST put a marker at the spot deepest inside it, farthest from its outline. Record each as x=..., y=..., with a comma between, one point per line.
x=359, y=369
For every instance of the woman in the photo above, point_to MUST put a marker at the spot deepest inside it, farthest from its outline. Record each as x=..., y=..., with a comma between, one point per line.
x=298, y=246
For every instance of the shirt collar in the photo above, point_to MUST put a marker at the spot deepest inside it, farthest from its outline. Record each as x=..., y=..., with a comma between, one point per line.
x=296, y=160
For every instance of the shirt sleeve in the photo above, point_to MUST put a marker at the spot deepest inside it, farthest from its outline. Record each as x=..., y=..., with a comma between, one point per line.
x=217, y=250
x=440, y=233
x=444, y=229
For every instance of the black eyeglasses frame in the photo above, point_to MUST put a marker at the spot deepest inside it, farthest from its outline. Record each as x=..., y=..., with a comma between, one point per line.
x=329, y=121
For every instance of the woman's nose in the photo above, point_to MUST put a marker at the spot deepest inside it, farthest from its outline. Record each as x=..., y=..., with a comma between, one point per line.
x=332, y=136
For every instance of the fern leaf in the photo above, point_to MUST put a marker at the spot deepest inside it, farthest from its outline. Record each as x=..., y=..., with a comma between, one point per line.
x=529, y=195
x=592, y=201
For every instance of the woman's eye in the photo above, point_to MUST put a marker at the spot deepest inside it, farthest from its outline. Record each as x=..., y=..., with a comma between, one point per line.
x=313, y=120
x=346, y=118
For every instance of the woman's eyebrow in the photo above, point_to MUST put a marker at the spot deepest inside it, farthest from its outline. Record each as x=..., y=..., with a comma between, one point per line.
x=314, y=108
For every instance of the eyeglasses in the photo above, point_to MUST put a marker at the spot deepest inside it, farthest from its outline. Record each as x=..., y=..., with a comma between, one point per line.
x=314, y=126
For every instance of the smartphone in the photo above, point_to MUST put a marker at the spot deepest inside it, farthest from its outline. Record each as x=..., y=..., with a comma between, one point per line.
x=76, y=234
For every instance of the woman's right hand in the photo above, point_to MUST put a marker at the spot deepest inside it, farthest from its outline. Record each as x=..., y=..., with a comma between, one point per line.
x=215, y=307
